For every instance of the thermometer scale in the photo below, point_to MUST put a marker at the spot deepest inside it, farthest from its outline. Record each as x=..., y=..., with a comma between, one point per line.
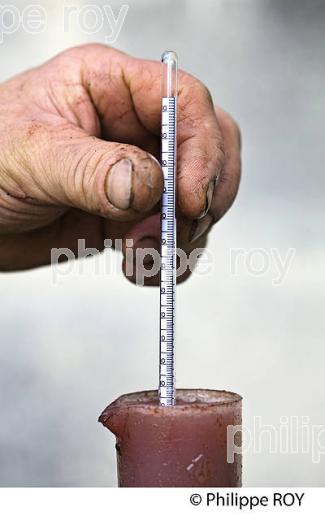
x=168, y=230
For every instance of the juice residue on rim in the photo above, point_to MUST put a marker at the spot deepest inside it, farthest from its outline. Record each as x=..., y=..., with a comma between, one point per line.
x=183, y=398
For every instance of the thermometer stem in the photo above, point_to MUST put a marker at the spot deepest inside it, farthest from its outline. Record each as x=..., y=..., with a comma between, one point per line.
x=168, y=230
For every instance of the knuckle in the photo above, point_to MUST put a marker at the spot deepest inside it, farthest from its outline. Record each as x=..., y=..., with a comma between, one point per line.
x=91, y=46
x=237, y=133
x=234, y=128
x=230, y=124
x=79, y=51
x=84, y=176
x=201, y=91
x=206, y=94
x=194, y=90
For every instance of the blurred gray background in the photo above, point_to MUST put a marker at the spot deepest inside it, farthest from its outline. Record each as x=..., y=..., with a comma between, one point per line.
x=71, y=344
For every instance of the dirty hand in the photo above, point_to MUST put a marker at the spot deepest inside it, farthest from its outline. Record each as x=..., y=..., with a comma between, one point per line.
x=78, y=140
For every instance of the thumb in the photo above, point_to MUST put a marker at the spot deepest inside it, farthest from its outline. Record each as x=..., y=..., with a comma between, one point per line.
x=110, y=179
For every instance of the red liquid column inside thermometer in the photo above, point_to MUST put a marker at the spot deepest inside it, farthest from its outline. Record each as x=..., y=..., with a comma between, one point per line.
x=168, y=230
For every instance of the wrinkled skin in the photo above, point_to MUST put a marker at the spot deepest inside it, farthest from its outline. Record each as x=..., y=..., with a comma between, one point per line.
x=63, y=127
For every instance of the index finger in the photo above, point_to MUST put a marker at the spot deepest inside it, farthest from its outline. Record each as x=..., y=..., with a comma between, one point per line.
x=200, y=144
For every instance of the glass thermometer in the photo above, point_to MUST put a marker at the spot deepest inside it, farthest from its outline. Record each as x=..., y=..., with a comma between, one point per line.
x=168, y=229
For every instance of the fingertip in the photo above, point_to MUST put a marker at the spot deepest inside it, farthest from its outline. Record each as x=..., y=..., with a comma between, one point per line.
x=195, y=192
x=133, y=183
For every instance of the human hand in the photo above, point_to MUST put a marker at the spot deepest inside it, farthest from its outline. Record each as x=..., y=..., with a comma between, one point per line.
x=76, y=136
